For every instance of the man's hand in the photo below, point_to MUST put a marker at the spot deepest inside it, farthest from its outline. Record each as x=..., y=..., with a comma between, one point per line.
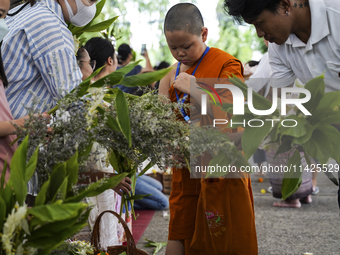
x=182, y=82
x=236, y=138
x=123, y=187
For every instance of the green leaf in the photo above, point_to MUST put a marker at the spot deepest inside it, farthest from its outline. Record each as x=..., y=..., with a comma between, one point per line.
x=56, y=179
x=41, y=197
x=151, y=164
x=97, y=27
x=113, y=161
x=144, y=79
x=72, y=167
x=252, y=138
x=303, y=139
x=220, y=160
x=123, y=118
x=97, y=188
x=31, y=165
x=137, y=197
x=57, y=212
x=293, y=177
x=8, y=197
x=334, y=138
x=113, y=124
x=3, y=214
x=18, y=169
x=327, y=111
x=286, y=145
x=274, y=133
x=319, y=146
x=259, y=102
x=49, y=242
x=18, y=162
x=297, y=131
x=3, y=176
x=316, y=88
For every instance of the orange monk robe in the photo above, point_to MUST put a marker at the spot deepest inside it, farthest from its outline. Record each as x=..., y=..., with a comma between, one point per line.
x=185, y=190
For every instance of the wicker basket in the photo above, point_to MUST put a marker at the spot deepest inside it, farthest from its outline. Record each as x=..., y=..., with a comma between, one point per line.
x=130, y=249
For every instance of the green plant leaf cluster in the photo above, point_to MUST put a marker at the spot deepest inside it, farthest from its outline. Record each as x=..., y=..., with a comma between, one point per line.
x=58, y=212
x=158, y=246
x=314, y=135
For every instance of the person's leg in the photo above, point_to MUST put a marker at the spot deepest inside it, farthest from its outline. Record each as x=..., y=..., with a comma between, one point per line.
x=175, y=247
x=294, y=203
x=151, y=181
x=156, y=201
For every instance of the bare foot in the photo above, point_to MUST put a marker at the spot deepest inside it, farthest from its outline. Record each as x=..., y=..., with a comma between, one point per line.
x=306, y=200
x=295, y=203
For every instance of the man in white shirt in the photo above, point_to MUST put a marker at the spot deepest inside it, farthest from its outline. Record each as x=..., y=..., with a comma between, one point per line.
x=304, y=38
x=303, y=34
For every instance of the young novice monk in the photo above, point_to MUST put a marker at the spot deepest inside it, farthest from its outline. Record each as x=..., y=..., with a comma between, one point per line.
x=186, y=35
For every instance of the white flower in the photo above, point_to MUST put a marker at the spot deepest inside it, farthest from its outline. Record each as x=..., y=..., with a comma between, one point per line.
x=14, y=220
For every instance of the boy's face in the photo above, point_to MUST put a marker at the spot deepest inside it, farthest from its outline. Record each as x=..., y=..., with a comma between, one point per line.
x=185, y=47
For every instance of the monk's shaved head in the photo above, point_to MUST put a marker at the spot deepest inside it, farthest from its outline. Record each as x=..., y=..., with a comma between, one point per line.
x=184, y=17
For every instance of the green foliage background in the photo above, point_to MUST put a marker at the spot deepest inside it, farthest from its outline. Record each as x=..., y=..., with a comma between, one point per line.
x=239, y=41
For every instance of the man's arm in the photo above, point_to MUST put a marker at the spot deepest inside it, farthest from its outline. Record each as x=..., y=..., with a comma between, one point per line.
x=282, y=75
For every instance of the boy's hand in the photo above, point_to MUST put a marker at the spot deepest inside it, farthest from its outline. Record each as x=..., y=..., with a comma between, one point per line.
x=123, y=187
x=182, y=82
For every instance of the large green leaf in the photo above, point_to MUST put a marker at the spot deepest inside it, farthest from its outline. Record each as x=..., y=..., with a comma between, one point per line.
x=334, y=138
x=56, y=179
x=41, y=197
x=221, y=160
x=259, y=102
x=113, y=161
x=303, y=139
x=56, y=212
x=252, y=138
x=297, y=131
x=31, y=165
x=49, y=242
x=75, y=30
x=72, y=167
x=316, y=88
x=112, y=123
x=97, y=27
x=3, y=176
x=144, y=79
x=327, y=111
x=18, y=162
x=7, y=196
x=3, y=214
x=97, y=188
x=293, y=177
x=123, y=117
x=319, y=146
x=286, y=145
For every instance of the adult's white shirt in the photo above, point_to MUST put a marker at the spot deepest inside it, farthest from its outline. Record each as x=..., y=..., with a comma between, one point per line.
x=261, y=75
x=295, y=59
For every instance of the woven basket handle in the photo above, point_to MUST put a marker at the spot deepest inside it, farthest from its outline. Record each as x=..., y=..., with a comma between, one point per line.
x=95, y=237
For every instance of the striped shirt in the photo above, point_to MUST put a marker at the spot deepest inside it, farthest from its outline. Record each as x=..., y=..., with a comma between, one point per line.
x=39, y=58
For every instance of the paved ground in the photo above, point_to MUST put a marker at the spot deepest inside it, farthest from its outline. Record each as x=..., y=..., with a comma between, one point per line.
x=313, y=228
